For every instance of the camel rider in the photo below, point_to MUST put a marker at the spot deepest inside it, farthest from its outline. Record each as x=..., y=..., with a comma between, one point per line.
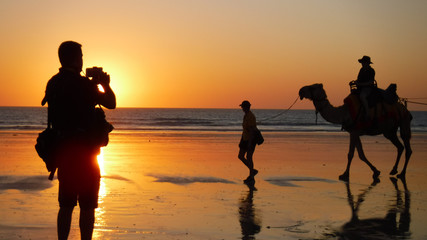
x=365, y=82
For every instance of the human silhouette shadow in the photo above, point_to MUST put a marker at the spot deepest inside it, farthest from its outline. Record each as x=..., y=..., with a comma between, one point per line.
x=378, y=228
x=249, y=222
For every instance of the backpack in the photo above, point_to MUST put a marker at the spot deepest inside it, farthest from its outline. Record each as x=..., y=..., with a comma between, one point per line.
x=47, y=144
x=259, y=139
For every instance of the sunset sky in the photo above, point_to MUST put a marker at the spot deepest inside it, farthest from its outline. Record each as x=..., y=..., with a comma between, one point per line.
x=214, y=54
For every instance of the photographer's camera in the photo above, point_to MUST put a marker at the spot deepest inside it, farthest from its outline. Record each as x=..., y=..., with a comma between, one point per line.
x=98, y=75
x=93, y=71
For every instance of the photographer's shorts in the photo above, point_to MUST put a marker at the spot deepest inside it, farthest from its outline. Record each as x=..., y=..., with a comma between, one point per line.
x=79, y=182
x=86, y=193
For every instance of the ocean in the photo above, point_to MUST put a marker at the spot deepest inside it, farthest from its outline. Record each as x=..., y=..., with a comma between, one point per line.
x=174, y=174
x=217, y=120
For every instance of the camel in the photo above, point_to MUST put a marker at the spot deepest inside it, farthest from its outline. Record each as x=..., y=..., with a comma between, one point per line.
x=357, y=127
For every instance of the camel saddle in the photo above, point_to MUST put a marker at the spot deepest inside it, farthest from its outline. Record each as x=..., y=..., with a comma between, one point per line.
x=383, y=104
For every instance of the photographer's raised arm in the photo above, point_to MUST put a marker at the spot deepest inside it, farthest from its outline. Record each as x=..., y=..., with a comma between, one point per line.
x=107, y=98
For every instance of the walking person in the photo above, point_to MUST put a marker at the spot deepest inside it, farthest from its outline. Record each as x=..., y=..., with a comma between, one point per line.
x=71, y=102
x=247, y=142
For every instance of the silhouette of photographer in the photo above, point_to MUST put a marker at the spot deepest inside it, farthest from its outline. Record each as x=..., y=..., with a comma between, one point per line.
x=71, y=102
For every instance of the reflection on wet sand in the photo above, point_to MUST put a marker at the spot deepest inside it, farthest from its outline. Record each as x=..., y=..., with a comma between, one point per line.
x=100, y=218
x=378, y=228
x=249, y=222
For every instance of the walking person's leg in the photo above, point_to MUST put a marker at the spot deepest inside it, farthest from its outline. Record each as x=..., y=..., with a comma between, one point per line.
x=248, y=150
x=242, y=158
x=249, y=157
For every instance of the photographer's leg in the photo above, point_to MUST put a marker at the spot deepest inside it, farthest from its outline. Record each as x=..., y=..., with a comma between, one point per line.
x=64, y=222
x=87, y=221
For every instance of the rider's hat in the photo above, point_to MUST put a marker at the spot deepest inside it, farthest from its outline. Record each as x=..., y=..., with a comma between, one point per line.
x=365, y=59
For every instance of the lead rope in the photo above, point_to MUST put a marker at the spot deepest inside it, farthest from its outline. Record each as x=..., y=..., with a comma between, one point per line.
x=283, y=112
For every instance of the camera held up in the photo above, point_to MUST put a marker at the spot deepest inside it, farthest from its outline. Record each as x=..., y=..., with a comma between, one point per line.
x=98, y=75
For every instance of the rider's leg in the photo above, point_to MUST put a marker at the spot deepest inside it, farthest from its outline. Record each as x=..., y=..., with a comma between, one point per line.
x=364, y=93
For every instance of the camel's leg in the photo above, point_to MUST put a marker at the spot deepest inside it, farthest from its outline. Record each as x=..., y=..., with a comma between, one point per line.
x=393, y=138
x=345, y=176
x=408, y=153
x=405, y=134
x=364, y=159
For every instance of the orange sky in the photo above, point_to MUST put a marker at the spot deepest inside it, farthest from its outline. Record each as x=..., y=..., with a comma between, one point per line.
x=214, y=54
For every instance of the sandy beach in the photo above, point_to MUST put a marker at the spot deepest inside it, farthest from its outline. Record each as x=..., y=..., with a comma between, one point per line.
x=188, y=185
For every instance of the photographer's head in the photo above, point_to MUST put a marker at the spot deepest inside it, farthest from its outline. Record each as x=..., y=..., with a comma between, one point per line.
x=70, y=55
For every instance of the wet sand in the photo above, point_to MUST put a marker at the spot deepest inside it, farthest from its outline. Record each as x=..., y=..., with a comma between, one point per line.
x=189, y=185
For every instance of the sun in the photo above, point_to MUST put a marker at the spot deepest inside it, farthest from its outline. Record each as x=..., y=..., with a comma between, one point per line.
x=122, y=79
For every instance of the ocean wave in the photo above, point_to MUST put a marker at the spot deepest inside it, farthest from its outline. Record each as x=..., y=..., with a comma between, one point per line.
x=223, y=120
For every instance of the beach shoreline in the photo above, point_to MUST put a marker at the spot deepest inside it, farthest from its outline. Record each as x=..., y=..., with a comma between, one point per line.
x=188, y=185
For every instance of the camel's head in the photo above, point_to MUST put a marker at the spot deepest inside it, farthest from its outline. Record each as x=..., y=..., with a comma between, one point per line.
x=313, y=92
